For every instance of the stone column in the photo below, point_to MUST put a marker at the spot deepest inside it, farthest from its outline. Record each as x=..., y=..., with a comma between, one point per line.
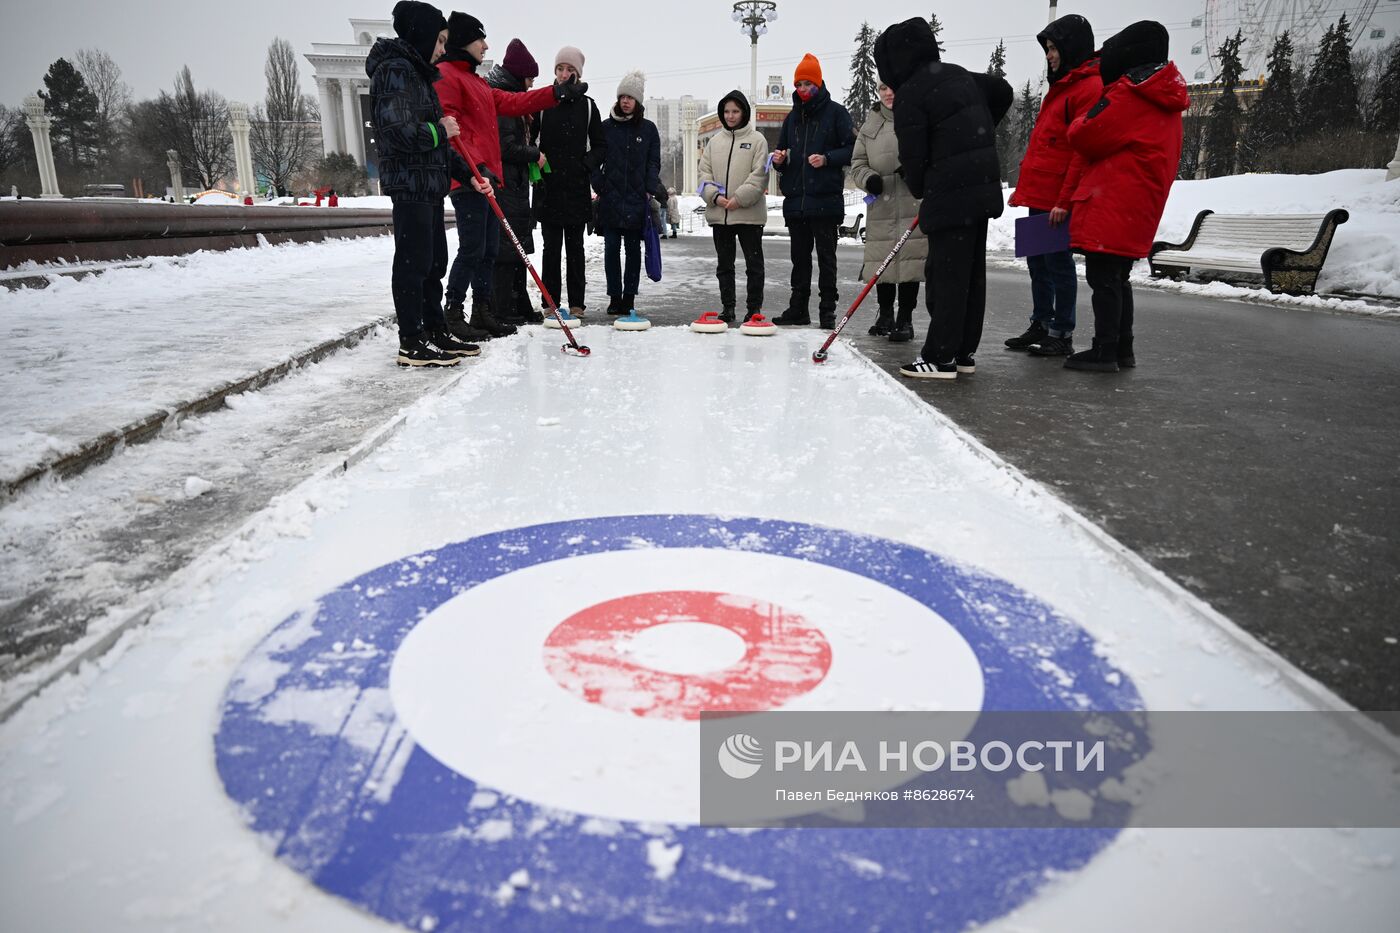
x=329, y=128
x=177, y=183
x=242, y=151
x=39, y=125
x=350, y=111
x=689, y=151
x=1393, y=169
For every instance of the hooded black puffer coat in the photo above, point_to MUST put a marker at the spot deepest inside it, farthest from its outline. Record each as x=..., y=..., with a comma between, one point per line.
x=518, y=152
x=415, y=161
x=819, y=126
x=945, y=119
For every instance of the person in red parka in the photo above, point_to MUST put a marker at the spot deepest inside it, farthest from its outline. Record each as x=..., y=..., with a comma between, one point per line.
x=475, y=105
x=1050, y=171
x=1131, y=144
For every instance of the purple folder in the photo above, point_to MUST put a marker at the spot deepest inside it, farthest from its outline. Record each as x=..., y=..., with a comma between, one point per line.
x=1035, y=236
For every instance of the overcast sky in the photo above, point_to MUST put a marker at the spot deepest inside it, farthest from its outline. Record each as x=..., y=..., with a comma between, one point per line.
x=684, y=47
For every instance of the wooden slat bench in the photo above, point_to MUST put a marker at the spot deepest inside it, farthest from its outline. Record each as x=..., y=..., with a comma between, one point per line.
x=1287, y=249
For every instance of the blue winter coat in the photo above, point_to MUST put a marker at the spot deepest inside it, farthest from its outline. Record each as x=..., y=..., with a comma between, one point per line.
x=631, y=170
x=818, y=126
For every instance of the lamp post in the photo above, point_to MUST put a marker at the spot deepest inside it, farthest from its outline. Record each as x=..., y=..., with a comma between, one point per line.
x=1054, y=4
x=753, y=17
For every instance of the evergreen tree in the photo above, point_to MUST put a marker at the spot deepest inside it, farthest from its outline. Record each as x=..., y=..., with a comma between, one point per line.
x=937, y=30
x=1385, y=106
x=73, y=107
x=1005, y=129
x=1026, y=111
x=1223, y=130
x=861, y=95
x=1330, y=104
x=1273, y=120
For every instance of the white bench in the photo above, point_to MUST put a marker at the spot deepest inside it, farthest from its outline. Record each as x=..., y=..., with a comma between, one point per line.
x=1288, y=250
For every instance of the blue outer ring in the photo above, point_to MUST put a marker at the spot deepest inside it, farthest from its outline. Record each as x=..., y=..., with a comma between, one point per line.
x=408, y=859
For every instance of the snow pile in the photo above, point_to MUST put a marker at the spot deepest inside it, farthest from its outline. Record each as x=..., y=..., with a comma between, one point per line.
x=1365, y=256
x=218, y=200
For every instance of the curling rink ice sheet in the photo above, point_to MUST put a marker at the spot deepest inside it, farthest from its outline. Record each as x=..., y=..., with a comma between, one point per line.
x=409, y=696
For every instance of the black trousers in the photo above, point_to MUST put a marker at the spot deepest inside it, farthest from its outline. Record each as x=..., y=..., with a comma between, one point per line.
x=821, y=235
x=1113, y=296
x=906, y=292
x=956, y=270
x=750, y=238
x=557, y=240
x=420, y=262
x=510, y=293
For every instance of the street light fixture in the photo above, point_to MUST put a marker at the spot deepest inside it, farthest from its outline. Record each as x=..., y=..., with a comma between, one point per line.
x=753, y=17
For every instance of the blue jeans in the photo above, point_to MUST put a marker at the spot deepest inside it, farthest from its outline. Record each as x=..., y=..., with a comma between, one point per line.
x=618, y=283
x=478, y=239
x=1054, y=289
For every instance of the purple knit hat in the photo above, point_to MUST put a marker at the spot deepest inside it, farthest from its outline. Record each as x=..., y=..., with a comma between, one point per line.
x=519, y=61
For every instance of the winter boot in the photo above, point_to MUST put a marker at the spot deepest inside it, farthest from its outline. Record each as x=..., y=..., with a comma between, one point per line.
x=903, y=330
x=749, y=315
x=615, y=307
x=1033, y=335
x=1126, y=360
x=884, y=322
x=793, y=317
x=1099, y=358
x=827, y=320
x=450, y=345
x=483, y=319
x=1053, y=346
x=727, y=316
x=457, y=324
x=416, y=351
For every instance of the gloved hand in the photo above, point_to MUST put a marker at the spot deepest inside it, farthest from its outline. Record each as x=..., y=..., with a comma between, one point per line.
x=875, y=184
x=571, y=89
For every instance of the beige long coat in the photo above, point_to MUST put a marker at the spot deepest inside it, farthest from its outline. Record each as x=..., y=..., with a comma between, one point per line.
x=877, y=153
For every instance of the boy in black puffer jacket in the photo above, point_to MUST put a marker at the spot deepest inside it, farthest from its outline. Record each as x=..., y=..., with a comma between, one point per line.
x=816, y=142
x=945, y=120
x=415, y=167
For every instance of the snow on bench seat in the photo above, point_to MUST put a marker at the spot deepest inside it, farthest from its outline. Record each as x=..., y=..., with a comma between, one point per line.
x=1287, y=249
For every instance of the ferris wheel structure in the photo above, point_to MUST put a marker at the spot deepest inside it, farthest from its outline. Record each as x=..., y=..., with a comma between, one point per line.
x=1263, y=21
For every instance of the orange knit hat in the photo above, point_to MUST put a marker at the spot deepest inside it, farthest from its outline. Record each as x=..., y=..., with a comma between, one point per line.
x=809, y=69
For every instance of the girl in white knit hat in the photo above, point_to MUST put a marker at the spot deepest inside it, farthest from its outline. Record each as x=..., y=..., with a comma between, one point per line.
x=630, y=173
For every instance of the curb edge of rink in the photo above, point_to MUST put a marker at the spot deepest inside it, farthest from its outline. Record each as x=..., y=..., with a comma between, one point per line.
x=94, y=645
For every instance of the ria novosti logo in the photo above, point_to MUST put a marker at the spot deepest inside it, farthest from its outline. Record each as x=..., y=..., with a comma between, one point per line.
x=741, y=756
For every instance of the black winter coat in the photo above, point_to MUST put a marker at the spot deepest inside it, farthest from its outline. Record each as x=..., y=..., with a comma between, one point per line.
x=631, y=170
x=945, y=119
x=415, y=161
x=818, y=126
x=518, y=153
x=571, y=138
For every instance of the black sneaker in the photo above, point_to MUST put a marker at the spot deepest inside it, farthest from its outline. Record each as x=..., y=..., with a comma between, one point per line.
x=791, y=318
x=1053, y=346
x=451, y=345
x=966, y=365
x=727, y=316
x=419, y=352
x=922, y=370
x=1099, y=358
x=1033, y=335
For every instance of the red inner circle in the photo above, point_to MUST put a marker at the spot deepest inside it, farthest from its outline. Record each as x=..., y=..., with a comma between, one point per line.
x=784, y=657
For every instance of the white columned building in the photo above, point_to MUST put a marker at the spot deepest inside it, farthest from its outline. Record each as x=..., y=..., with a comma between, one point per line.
x=343, y=88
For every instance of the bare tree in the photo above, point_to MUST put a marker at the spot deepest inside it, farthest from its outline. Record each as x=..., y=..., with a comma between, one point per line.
x=104, y=79
x=195, y=124
x=283, y=138
x=11, y=151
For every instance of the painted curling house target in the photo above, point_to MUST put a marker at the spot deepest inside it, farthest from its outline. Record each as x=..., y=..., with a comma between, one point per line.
x=502, y=732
